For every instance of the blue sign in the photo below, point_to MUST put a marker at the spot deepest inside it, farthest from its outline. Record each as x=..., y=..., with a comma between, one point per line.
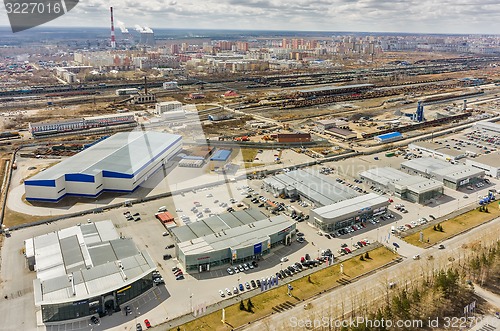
x=257, y=248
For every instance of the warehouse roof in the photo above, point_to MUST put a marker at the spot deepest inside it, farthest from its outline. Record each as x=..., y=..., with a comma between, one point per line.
x=492, y=159
x=357, y=204
x=458, y=172
x=92, y=255
x=384, y=176
x=488, y=126
x=426, y=164
x=238, y=237
x=390, y=135
x=440, y=148
x=217, y=223
x=319, y=188
x=123, y=153
x=418, y=184
x=441, y=168
x=221, y=155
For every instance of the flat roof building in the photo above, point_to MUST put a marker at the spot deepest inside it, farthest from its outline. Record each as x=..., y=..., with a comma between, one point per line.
x=348, y=212
x=119, y=163
x=489, y=126
x=442, y=150
x=85, y=270
x=167, y=106
x=230, y=238
x=452, y=176
x=490, y=163
x=321, y=190
x=412, y=188
x=341, y=133
x=389, y=137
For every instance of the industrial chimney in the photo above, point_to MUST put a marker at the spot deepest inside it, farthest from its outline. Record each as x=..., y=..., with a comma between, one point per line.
x=113, y=40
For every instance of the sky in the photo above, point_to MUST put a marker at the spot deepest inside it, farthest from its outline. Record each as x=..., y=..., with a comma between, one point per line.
x=414, y=16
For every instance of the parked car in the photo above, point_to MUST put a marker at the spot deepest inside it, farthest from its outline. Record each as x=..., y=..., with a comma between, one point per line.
x=146, y=322
x=138, y=327
x=94, y=319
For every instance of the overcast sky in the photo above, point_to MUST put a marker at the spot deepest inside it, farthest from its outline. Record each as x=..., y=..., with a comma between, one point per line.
x=425, y=16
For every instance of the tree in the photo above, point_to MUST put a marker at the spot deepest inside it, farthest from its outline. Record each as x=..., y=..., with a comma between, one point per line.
x=250, y=305
x=361, y=258
x=367, y=256
x=242, y=305
x=434, y=227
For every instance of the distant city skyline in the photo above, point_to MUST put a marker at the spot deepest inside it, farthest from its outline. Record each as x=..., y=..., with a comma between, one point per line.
x=426, y=16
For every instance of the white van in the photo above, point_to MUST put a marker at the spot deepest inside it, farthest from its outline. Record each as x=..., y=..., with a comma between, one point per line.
x=162, y=209
x=393, y=229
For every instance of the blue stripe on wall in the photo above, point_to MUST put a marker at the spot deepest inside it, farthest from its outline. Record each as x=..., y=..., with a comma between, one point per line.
x=43, y=182
x=79, y=178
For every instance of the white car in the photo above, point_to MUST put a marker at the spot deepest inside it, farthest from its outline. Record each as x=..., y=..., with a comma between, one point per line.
x=284, y=259
x=221, y=292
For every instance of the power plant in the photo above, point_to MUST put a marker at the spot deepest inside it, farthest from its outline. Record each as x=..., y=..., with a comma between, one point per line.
x=147, y=37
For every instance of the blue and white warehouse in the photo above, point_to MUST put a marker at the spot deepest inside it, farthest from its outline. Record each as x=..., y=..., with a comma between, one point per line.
x=119, y=163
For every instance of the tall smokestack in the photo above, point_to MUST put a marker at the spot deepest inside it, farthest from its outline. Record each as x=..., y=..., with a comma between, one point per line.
x=113, y=40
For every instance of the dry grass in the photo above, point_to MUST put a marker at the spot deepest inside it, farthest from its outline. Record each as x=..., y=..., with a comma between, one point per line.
x=12, y=218
x=248, y=154
x=454, y=226
x=304, y=288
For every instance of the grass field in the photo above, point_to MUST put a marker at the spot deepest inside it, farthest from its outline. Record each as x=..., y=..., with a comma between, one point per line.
x=454, y=226
x=303, y=288
x=248, y=154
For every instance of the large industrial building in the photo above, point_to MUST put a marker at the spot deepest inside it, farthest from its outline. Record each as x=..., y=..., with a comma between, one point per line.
x=452, y=176
x=412, y=188
x=119, y=163
x=389, y=137
x=47, y=128
x=230, y=238
x=321, y=190
x=86, y=270
x=489, y=163
x=488, y=126
x=167, y=106
x=439, y=150
x=348, y=212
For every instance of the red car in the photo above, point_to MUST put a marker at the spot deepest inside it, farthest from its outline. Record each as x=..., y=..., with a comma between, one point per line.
x=148, y=325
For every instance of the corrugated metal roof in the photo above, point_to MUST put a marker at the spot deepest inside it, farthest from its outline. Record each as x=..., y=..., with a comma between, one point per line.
x=61, y=253
x=217, y=223
x=123, y=153
x=314, y=186
x=390, y=135
x=384, y=175
x=221, y=155
x=351, y=205
x=239, y=237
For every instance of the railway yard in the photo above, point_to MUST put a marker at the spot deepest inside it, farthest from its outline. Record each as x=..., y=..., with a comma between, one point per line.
x=186, y=172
